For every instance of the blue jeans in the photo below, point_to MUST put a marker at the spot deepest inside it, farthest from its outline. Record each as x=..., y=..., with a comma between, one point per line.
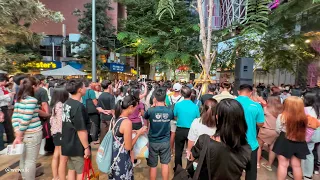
x=308, y=164
x=1, y=137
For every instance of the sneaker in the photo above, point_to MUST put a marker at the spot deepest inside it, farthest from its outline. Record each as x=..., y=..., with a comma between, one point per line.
x=3, y=152
x=137, y=163
x=269, y=168
x=316, y=172
x=307, y=178
x=290, y=174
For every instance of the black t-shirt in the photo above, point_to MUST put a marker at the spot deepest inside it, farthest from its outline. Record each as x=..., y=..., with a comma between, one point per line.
x=74, y=118
x=42, y=96
x=159, y=118
x=107, y=102
x=224, y=163
x=205, y=97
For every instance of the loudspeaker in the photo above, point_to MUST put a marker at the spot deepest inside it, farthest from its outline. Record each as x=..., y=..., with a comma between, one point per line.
x=243, y=72
x=192, y=76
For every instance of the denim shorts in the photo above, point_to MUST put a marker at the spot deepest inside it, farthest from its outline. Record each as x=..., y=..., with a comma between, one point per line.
x=159, y=149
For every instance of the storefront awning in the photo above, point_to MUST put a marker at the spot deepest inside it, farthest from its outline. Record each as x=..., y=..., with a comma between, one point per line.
x=64, y=71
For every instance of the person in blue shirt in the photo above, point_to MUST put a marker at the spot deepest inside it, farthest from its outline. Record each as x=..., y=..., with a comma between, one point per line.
x=159, y=118
x=185, y=112
x=254, y=116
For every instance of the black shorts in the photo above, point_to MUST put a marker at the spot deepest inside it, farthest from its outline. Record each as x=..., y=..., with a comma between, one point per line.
x=288, y=148
x=159, y=149
x=57, y=139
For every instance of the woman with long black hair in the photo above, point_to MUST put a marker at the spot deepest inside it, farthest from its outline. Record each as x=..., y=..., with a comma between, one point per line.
x=123, y=142
x=27, y=127
x=59, y=162
x=228, y=152
x=312, y=108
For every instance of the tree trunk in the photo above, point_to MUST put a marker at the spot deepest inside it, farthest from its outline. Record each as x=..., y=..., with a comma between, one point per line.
x=206, y=59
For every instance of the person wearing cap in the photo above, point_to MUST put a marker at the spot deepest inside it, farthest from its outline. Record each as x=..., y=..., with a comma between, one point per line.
x=171, y=100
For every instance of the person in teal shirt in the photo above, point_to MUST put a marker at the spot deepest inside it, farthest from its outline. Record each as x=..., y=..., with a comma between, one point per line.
x=185, y=112
x=90, y=94
x=254, y=115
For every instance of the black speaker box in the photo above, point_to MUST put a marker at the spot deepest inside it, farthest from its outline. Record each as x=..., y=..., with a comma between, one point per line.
x=243, y=72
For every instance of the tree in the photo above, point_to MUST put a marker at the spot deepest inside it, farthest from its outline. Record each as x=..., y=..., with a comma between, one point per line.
x=18, y=44
x=281, y=46
x=104, y=32
x=169, y=43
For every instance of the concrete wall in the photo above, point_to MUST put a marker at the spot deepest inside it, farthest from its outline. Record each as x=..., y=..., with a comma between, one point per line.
x=277, y=77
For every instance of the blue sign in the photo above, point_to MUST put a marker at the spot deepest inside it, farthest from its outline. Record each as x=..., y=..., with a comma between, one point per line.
x=75, y=65
x=114, y=67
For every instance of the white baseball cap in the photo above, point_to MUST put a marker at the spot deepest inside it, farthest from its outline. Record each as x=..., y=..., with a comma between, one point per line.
x=177, y=87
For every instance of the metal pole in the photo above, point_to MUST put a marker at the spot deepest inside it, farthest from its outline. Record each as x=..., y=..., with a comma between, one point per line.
x=94, y=69
x=64, y=49
x=52, y=51
x=138, y=70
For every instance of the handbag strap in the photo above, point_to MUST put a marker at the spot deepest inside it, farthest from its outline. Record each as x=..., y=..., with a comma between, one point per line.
x=201, y=159
x=116, y=158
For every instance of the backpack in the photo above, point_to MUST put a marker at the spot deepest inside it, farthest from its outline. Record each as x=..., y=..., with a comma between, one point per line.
x=104, y=154
x=173, y=104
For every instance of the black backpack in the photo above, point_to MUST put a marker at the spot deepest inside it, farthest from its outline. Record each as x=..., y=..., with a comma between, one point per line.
x=173, y=104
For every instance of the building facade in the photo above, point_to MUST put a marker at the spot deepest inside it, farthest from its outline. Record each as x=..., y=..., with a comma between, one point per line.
x=52, y=45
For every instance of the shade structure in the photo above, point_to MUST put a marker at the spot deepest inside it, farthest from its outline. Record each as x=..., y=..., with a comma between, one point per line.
x=4, y=72
x=64, y=71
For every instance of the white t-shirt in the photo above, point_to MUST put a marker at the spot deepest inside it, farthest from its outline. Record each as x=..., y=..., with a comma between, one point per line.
x=197, y=129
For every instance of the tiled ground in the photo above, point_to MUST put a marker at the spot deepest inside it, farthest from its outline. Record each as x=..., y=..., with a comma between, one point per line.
x=141, y=172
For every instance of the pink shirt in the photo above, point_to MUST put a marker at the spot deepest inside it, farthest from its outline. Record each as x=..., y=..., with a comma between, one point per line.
x=270, y=121
x=56, y=119
x=135, y=117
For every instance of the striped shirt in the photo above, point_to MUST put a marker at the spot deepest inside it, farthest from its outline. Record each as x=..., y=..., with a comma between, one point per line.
x=24, y=118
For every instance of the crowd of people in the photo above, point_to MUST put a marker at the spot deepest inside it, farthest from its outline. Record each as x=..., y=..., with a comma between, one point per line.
x=221, y=133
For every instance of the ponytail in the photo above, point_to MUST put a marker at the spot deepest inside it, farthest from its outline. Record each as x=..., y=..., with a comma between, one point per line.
x=125, y=104
x=208, y=114
x=118, y=109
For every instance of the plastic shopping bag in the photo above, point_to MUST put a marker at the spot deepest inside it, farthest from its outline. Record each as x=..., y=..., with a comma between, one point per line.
x=140, y=149
x=87, y=167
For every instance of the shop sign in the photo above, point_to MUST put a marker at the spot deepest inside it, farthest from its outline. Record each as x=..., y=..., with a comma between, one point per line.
x=44, y=65
x=114, y=67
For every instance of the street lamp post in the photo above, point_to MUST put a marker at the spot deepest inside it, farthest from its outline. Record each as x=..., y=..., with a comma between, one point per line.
x=94, y=68
x=138, y=72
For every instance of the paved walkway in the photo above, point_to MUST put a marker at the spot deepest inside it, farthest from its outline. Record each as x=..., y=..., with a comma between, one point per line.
x=141, y=172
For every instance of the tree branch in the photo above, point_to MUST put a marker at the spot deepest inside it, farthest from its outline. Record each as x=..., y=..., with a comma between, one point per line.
x=199, y=60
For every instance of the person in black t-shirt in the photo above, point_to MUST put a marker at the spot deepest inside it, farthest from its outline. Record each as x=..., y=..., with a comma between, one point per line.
x=75, y=129
x=212, y=89
x=106, y=106
x=44, y=112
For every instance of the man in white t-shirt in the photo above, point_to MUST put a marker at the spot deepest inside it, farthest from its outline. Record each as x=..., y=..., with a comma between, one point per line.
x=171, y=100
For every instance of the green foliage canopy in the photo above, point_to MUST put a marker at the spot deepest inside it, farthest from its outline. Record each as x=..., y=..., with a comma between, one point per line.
x=104, y=32
x=168, y=43
x=17, y=42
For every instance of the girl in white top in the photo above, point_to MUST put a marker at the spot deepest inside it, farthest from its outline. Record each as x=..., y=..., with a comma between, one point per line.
x=204, y=125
